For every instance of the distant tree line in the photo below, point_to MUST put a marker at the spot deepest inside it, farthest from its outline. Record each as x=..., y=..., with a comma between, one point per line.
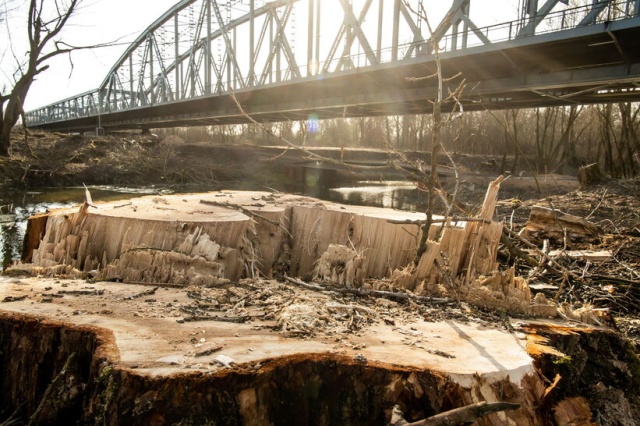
x=541, y=140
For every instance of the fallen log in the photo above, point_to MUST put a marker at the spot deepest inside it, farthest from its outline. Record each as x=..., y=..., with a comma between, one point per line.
x=13, y=298
x=590, y=255
x=237, y=320
x=143, y=293
x=374, y=293
x=552, y=224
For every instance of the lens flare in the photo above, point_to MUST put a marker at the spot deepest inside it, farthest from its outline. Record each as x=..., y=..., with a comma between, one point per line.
x=313, y=125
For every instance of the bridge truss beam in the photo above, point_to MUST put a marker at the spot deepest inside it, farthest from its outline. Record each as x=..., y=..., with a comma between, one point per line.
x=200, y=52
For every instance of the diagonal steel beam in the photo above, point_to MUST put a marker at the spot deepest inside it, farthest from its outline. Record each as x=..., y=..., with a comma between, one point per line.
x=537, y=15
x=458, y=12
x=227, y=41
x=191, y=65
x=334, y=48
x=418, y=38
x=280, y=41
x=454, y=12
x=475, y=30
x=163, y=76
x=284, y=41
x=141, y=88
x=596, y=10
x=356, y=25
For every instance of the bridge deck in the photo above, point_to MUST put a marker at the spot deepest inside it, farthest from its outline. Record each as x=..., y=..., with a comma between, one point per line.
x=594, y=63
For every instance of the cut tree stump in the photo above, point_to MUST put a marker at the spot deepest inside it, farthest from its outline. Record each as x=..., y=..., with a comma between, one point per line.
x=206, y=239
x=202, y=238
x=137, y=349
x=590, y=174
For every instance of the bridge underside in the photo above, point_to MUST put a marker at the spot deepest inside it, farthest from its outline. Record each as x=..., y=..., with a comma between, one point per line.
x=595, y=64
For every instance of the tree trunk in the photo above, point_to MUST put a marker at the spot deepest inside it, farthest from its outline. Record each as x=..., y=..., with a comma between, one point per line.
x=5, y=141
x=12, y=111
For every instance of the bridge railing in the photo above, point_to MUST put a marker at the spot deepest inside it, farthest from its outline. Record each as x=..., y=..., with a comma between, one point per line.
x=94, y=103
x=566, y=19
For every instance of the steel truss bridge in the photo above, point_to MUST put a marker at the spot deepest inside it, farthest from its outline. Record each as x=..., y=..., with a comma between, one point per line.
x=296, y=59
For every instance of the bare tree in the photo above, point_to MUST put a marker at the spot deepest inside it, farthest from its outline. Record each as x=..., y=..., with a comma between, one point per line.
x=432, y=182
x=619, y=135
x=45, y=21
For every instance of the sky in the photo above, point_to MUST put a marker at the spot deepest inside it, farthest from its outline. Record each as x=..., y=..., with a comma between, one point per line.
x=97, y=21
x=119, y=21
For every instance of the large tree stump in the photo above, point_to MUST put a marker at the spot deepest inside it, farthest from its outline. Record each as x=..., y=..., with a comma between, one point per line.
x=201, y=238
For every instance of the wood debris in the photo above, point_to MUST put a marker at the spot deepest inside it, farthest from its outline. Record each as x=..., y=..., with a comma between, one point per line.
x=550, y=223
x=353, y=249
x=341, y=266
x=462, y=415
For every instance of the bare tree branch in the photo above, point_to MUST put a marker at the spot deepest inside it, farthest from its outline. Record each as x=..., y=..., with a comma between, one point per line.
x=457, y=416
x=40, y=32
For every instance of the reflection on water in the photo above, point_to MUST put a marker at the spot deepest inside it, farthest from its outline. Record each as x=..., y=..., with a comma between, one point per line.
x=16, y=208
x=397, y=195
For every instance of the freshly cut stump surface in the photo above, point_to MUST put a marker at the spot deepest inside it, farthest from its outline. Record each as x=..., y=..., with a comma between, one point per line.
x=346, y=359
x=152, y=338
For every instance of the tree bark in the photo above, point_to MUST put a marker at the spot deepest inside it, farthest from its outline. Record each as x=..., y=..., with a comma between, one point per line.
x=13, y=110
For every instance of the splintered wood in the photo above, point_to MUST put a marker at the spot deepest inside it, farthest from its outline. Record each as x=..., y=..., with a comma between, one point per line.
x=203, y=239
x=547, y=223
x=463, y=264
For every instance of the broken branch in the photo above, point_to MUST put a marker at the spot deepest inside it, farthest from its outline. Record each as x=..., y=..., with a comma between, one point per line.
x=466, y=414
x=367, y=292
